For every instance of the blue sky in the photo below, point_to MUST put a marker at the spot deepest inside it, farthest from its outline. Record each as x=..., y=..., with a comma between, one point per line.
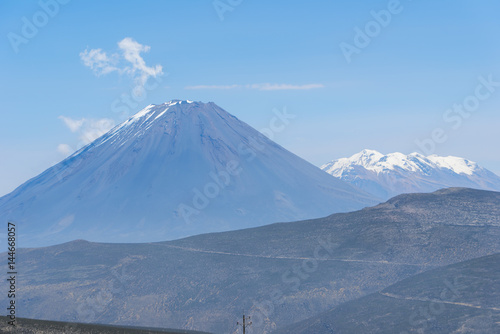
x=263, y=56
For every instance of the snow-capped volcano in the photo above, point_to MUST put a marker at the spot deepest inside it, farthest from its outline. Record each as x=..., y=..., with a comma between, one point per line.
x=173, y=170
x=389, y=175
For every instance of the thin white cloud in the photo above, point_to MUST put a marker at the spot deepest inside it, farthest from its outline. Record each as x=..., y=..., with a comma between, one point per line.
x=261, y=86
x=72, y=124
x=98, y=61
x=127, y=61
x=132, y=53
x=95, y=128
x=213, y=87
x=268, y=86
x=88, y=130
x=64, y=149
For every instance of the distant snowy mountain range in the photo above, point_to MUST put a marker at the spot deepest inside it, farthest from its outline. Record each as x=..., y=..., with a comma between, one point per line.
x=173, y=170
x=389, y=175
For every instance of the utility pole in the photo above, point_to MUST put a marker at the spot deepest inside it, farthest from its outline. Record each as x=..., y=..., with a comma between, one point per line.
x=244, y=324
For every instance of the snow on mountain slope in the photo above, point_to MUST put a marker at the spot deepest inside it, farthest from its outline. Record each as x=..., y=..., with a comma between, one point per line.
x=173, y=170
x=389, y=175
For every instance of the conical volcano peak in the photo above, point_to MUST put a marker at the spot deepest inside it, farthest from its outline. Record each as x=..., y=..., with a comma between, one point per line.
x=168, y=115
x=175, y=109
x=152, y=108
x=172, y=170
x=176, y=101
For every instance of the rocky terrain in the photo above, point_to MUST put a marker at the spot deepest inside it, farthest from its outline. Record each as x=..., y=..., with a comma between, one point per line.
x=279, y=274
x=459, y=298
